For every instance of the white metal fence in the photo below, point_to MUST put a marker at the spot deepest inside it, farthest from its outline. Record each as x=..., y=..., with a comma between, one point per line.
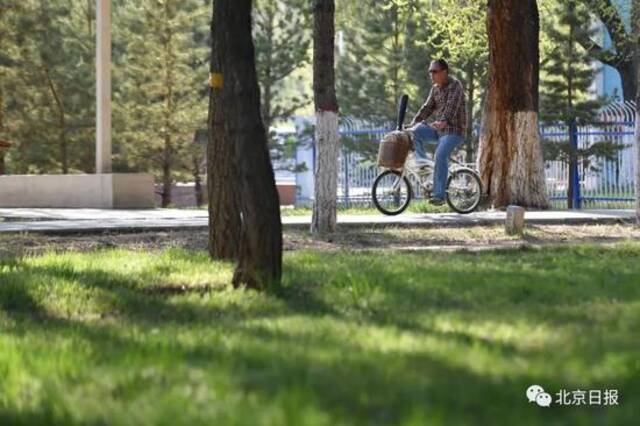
x=603, y=182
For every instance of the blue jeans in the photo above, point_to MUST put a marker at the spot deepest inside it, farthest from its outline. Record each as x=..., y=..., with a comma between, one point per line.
x=445, y=146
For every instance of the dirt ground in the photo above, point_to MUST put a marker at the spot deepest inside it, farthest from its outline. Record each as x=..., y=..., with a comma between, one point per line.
x=468, y=238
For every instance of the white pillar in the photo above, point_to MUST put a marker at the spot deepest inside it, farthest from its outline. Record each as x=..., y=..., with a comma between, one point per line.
x=103, y=86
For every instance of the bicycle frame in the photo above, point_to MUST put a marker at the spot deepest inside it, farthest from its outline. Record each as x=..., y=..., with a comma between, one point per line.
x=425, y=168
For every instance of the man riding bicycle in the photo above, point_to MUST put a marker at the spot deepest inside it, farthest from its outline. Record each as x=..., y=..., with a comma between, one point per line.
x=447, y=104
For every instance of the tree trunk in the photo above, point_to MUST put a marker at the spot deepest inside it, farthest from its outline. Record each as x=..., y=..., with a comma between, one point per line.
x=62, y=137
x=197, y=181
x=510, y=156
x=326, y=133
x=635, y=30
x=396, y=63
x=2, y=151
x=471, y=100
x=224, y=208
x=64, y=150
x=260, y=252
x=571, y=124
x=166, y=172
x=627, y=71
x=267, y=112
x=167, y=153
x=638, y=152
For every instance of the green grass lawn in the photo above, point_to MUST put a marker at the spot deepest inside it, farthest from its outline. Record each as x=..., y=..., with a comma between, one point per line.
x=126, y=337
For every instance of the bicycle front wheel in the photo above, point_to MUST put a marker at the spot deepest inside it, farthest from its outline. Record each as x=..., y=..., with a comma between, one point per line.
x=391, y=193
x=464, y=191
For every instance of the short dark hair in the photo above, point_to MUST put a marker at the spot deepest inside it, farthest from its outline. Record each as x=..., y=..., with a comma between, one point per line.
x=442, y=64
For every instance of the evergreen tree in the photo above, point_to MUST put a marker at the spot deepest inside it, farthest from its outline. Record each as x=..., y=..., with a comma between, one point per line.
x=47, y=84
x=282, y=40
x=159, y=86
x=565, y=94
x=282, y=37
x=567, y=70
x=383, y=55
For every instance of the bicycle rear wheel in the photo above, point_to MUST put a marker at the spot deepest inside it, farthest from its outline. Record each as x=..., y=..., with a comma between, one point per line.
x=391, y=194
x=464, y=191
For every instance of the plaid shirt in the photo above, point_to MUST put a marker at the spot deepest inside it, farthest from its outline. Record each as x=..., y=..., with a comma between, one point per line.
x=446, y=103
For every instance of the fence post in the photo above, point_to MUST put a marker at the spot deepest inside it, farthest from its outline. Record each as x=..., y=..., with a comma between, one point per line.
x=345, y=193
x=574, y=176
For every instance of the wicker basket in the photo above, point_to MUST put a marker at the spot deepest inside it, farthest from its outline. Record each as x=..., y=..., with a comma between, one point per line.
x=394, y=149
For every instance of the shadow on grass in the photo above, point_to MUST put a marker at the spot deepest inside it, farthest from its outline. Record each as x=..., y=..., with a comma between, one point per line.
x=353, y=383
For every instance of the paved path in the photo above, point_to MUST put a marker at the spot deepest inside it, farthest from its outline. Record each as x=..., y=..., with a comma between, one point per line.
x=94, y=220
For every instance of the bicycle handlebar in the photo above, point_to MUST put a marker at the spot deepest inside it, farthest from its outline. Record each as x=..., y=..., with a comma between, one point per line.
x=402, y=110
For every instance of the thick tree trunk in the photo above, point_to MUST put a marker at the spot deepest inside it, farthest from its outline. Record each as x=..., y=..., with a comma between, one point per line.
x=224, y=207
x=326, y=137
x=326, y=173
x=510, y=156
x=260, y=255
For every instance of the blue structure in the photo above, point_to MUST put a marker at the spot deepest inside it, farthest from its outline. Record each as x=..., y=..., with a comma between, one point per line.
x=608, y=81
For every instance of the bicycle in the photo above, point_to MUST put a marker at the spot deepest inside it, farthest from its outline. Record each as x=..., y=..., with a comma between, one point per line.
x=392, y=190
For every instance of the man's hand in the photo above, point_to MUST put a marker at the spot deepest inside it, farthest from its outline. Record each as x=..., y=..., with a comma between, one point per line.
x=440, y=124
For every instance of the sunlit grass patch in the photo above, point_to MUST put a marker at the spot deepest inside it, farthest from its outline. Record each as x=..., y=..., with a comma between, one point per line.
x=122, y=337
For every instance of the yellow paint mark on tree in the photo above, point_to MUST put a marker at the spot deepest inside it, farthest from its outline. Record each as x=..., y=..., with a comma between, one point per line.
x=216, y=80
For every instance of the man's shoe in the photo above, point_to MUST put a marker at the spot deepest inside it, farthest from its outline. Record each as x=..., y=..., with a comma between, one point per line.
x=436, y=201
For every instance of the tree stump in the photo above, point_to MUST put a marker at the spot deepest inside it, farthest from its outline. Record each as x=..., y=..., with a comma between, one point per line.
x=514, y=224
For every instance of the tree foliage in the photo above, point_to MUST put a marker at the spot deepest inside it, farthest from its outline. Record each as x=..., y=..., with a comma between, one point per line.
x=159, y=84
x=567, y=96
x=282, y=38
x=568, y=70
x=160, y=56
x=459, y=35
x=382, y=53
x=612, y=14
x=47, y=85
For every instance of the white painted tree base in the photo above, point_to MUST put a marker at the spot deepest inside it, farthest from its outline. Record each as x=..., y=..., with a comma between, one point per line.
x=510, y=160
x=326, y=173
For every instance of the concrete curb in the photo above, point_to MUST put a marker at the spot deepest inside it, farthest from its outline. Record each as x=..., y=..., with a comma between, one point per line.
x=101, y=225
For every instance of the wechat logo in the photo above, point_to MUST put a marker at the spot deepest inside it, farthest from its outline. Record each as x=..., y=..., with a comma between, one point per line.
x=535, y=393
